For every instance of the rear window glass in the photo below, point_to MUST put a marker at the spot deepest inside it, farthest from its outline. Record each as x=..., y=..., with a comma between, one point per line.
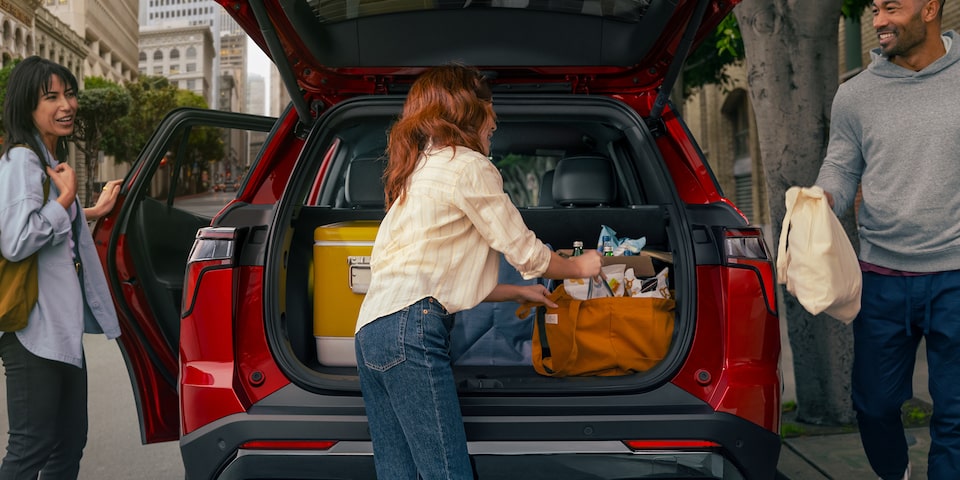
x=330, y=11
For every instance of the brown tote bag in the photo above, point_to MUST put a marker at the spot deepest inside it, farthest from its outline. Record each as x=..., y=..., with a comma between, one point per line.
x=601, y=336
x=19, y=286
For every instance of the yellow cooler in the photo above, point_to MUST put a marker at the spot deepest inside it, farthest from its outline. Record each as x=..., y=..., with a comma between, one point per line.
x=341, y=266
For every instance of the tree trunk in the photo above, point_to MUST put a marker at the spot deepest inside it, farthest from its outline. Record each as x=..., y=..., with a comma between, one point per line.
x=792, y=66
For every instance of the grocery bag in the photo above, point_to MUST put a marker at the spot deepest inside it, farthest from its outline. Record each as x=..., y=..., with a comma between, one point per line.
x=815, y=259
x=600, y=337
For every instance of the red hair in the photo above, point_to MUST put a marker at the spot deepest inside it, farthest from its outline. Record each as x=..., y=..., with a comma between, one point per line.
x=447, y=106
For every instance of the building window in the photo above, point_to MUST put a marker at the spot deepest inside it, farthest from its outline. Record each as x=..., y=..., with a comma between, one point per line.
x=191, y=52
x=158, y=56
x=737, y=111
x=158, y=70
x=191, y=85
x=143, y=56
x=174, y=54
x=174, y=68
x=191, y=67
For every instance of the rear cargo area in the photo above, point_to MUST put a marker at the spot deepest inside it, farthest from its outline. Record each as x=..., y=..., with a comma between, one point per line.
x=571, y=173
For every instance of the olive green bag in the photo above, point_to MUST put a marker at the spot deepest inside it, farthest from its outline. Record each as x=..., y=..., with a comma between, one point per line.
x=19, y=286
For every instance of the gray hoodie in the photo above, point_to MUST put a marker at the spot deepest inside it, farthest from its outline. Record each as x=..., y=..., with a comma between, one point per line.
x=897, y=133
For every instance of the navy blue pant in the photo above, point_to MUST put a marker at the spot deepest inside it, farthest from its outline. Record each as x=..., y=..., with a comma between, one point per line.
x=896, y=313
x=47, y=411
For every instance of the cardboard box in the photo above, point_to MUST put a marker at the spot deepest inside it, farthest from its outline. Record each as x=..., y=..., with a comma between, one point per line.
x=341, y=266
x=642, y=264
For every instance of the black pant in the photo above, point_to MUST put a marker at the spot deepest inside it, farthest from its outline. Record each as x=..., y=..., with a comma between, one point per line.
x=47, y=412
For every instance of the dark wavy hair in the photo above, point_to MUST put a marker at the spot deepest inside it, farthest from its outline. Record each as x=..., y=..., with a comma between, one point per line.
x=28, y=82
x=447, y=106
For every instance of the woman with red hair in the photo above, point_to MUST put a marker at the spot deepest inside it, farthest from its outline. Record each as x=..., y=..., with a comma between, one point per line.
x=437, y=253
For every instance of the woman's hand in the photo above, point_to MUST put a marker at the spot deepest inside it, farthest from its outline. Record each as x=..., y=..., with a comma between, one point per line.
x=65, y=178
x=586, y=265
x=106, y=201
x=536, y=294
x=589, y=264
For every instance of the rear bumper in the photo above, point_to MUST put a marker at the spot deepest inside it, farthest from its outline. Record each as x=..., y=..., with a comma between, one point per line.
x=542, y=465
x=577, y=445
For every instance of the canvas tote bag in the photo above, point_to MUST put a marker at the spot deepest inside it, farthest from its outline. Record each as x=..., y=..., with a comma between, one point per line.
x=815, y=259
x=19, y=288
x=601, y=336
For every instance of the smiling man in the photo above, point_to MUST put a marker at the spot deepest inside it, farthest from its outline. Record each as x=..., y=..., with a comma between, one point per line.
x=895, y=132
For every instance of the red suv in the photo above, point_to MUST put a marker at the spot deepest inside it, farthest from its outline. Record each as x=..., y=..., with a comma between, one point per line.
x=238, y=308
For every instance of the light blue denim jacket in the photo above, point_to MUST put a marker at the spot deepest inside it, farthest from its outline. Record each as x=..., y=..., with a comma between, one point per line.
x=55, y=328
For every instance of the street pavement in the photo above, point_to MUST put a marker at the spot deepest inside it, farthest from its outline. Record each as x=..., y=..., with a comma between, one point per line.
x=836, y=452
x=115, y=451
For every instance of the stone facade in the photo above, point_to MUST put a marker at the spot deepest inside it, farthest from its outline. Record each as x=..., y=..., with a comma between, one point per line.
x=109, y=30
x=184, y=54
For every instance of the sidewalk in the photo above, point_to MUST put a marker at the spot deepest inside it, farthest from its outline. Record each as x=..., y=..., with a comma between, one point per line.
x=835, y=452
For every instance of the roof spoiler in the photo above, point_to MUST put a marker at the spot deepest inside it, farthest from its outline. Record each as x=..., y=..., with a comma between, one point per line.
x=683, y=49
x=280, y=59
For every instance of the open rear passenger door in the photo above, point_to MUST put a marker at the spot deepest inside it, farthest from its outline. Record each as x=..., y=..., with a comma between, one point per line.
x=193, y=166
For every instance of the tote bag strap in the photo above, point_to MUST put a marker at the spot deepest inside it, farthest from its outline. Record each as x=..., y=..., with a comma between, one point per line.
x=783, y=258
x=574, y=311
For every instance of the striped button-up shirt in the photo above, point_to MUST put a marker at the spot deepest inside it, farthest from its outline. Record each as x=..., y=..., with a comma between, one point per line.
x=442, y=240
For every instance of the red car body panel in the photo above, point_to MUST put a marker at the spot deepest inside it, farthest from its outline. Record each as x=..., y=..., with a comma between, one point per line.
x=336, y=84
x=148, y=358
x=740, y=375
x=226, y=363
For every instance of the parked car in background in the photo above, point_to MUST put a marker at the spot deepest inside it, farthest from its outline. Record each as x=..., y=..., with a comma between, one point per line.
x=238, y=317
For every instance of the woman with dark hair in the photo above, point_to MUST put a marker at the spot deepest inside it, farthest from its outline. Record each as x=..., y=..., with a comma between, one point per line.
x=39, y=213
x=437, y=253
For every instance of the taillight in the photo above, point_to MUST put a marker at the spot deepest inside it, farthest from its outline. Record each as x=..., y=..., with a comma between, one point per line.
x=214, y=247
x=670, y=444
x=288, y=445
x=746, y=248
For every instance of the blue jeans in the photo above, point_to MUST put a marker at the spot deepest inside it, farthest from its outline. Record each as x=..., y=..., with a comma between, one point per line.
x=896, y=313
x=410, y=396
x=47, y=411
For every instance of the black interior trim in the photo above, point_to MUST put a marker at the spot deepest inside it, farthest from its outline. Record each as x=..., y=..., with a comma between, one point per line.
x=524, y=38
x=164, y=236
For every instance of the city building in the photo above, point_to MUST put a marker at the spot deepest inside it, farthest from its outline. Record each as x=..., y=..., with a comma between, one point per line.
x=185, y=55
x=178, y=13
x=256, y=94
x=279, y=97
x=109, y=30
x=233, y=72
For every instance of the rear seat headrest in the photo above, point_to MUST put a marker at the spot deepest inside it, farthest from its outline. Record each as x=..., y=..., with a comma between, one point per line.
x=584, y=180
x=364, y=182
x=545, y=198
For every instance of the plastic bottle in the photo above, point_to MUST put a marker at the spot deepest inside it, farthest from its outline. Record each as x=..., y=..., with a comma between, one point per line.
x=607, y=246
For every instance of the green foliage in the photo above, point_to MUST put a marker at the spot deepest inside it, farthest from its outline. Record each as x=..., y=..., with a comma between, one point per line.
x=151, y=99
x=707, y=64
x=789, y=430
x=101, y=104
